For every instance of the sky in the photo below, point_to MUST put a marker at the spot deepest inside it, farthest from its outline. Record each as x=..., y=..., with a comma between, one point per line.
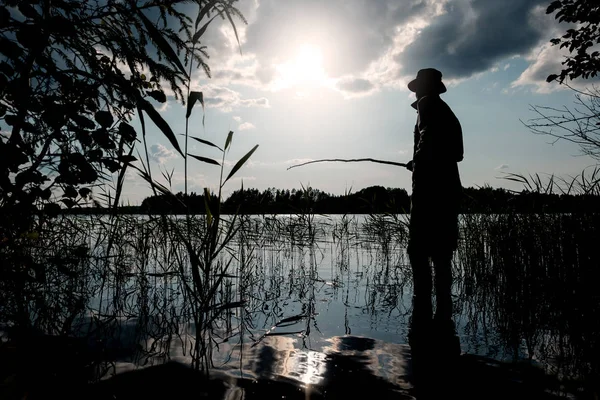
x=316, y=79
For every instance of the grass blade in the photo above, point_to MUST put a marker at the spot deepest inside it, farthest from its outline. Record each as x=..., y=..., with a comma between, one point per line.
x=228, y=140
x=162, y=43
x=240, y=163
x=201, y=31
x=206, y=160
x=160, y=123
x=192, y=99
x=206, y=142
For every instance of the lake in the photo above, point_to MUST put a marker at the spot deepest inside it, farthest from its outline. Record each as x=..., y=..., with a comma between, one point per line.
x=287, y=293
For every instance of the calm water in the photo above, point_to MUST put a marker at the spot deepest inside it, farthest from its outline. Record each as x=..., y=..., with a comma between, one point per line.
x=314, y=286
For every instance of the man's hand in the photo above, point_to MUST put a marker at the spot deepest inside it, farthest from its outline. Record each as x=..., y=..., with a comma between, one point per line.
x=409, y=165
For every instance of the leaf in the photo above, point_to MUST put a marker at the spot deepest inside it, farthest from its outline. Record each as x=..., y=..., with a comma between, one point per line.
x=27, y=10
x=84, y=192
x=228, y=306
x=10, y=48
x=127, y=132
x=161, y=123
x=83, y=122
x=104, y=118
x=553, y=6
x=194, y=96
x=70, y=191
x=288, y=320
x=203, y=11
x=155, y=185
x=207, y=207
x=204, y=159
x=240, y=163
x=206, y=142
x=229, y=138
x=6, y=69
x=234, y=30
x=158, y=95
x=68, y=202
x=112, y=165
x=162, y=43
x=283, y=333
x=11, y=120
x=551, y=78
x=200, y=32
x=127, y=159
x=52, y=210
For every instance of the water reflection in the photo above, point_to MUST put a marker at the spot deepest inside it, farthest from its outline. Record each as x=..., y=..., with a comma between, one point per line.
x=349, y=367
x=524, y=300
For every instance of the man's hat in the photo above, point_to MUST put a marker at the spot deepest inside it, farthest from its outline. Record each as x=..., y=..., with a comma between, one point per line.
x=428, y=77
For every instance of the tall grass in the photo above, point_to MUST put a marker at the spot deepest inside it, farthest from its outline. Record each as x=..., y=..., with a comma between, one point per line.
x=525, y=285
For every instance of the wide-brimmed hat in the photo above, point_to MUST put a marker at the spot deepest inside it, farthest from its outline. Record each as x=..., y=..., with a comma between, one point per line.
x=427, y=77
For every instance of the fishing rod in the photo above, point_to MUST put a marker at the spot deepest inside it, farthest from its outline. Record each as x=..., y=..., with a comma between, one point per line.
x=397, y=164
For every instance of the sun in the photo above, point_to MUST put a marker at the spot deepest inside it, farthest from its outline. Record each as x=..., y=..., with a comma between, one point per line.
x=304, y=70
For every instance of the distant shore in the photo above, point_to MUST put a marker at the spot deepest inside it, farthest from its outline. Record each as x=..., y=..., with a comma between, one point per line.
x=371, y=200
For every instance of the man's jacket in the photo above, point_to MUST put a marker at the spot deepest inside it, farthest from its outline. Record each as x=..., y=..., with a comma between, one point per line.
x=436, y=186
x=438, y=147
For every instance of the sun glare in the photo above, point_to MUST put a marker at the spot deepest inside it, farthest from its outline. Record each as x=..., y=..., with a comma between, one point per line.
x=305, y=69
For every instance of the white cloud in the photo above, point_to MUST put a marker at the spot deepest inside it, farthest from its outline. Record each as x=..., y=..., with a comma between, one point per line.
x=160, y=154
x=243, y=178
x=226, y=99
x=246, y=126
x=368, y=46
x=502, y=166
x=237, y=119
x=354, y=87
x=295, y=161
x=544, y=61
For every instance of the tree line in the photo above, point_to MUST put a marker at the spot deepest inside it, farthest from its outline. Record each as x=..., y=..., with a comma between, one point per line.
x=373, y=199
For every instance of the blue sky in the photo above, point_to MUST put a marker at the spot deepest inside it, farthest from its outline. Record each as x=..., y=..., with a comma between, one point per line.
x=327, y=79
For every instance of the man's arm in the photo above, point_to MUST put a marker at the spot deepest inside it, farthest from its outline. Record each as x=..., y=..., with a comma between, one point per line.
x=424, y=150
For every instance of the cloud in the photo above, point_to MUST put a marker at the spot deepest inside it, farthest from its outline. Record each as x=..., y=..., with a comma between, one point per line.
x=350, y=34
x=502, y=166
x=237, y=118
x=160, y=154
x=260, y=102
x=243, y=178
x=226, y=99
x=370, y=45
x=472, y=36
x=196, y=181
x=246, y=126
x=545, y=61
x=295, y=161
x=354, y=86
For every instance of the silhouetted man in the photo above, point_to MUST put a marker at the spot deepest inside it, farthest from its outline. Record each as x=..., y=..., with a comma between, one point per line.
x=436, y=189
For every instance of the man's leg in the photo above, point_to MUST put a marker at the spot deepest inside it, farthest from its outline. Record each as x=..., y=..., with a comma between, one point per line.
x=447, y=342
x=442, y=263
x=419, y=261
